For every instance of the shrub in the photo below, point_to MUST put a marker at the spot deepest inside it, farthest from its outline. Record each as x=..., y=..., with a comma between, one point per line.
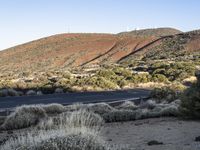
x=119, y=116
x=76, y=107
x=53, y=108
x=159, y=78
x=190, y=102
x=170, y=111
x=8, y=92
x=149, y=104
x=76, y=119
x=31, y=92
x=101, y=82
x=106, y=73
x=3, y=93
x=127, y=105
x=84, y=118
x=122, y=72
x=100, y=108
x=140, y=78
x=164, y=93
x=57, y=140
x=24, y=116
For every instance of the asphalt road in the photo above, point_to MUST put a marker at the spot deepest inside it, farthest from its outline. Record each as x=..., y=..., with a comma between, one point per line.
x=69, y=98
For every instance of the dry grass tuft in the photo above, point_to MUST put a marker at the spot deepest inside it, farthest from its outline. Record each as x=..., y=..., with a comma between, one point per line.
x=54, y=108
x=62, y=139
x=127, y=105
x=24, y=116
x=100, y=108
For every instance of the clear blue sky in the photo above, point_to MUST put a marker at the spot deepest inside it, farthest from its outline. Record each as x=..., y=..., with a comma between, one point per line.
x=25, y=20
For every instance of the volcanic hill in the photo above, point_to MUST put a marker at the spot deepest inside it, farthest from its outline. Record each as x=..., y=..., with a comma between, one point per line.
x=77, y=50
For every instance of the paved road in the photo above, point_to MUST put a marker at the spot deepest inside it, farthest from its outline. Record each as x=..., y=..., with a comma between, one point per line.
x=69, y=98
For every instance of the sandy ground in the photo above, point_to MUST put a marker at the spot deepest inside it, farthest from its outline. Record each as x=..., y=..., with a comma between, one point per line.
x=175, y=134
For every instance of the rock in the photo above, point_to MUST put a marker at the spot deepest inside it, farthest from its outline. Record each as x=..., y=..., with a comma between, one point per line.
x=59, y=90
x=197, y=139
x=30, y=92
x=154, y=142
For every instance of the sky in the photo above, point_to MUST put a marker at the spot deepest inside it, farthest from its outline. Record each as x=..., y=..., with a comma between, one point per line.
x=26, y=20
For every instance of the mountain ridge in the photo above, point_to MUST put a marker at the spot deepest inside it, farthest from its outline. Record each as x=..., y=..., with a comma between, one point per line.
x=80, y=49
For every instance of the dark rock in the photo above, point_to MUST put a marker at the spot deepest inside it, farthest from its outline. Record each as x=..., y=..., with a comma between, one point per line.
x=154, y=142
x=197, y=139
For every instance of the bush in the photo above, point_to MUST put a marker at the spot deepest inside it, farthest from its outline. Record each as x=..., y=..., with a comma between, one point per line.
x=190, y=102
x=159, y=78
x=3, y=93
x=76, y=119
x=53, y=108
x=101, y=82
x=74, y=131
x=164, y=93
x=127, y=105
x=57, y=140
x=100, y=108
x=140, y=78
x=8, y=92
x=24, y=116
x=84, y=118
x=119, y=116
x=122, y=72
x=170, y=111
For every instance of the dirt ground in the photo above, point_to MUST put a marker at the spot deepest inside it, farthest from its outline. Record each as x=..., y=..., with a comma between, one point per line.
x=173, y=133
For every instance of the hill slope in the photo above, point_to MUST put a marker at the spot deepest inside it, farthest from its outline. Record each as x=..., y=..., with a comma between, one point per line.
x=74, y=50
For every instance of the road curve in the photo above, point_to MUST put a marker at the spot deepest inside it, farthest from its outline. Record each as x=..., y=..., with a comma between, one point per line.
x=69, y=98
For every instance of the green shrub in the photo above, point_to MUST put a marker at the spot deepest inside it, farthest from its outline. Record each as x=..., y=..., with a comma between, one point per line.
x=106, y=73
x=174, y=71
x=101, y=82
x=190, y=102
x=159, y=78
x=164, y=93
x=122, y=72
x=140, y=78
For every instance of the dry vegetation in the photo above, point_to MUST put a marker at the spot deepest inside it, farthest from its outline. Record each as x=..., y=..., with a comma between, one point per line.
x=77, y=127
x=126, y=61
